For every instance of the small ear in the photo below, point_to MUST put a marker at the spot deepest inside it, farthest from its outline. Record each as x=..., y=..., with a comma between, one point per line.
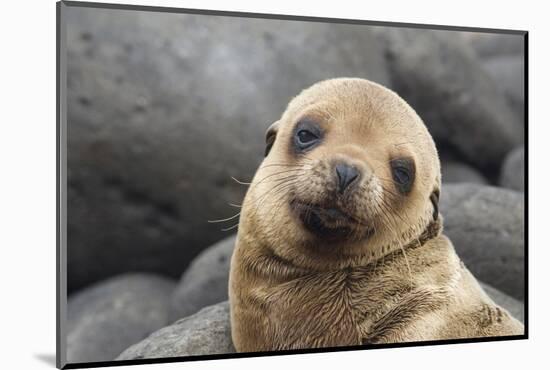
x=270, y=136
x=434, y=198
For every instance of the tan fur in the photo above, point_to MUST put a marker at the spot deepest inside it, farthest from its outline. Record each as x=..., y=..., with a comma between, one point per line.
x=404, y=283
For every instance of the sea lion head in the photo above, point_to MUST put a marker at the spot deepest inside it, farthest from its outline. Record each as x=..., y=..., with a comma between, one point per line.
x=350, y=173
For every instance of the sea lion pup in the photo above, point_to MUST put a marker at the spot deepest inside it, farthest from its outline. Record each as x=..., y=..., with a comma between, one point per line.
x=339, y=239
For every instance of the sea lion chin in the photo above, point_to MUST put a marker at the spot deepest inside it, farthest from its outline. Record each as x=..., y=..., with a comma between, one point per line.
x=329, y=223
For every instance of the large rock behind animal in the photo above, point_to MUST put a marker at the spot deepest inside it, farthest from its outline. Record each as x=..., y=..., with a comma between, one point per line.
x=205, y=282
x=503, y=57
x=490, y=45
x=512, y=174
x=208, y=332
x=441, y=77
x=486, y=226
x=508, y=74
x=106, y=318
x=164, y=108
x=457, y=172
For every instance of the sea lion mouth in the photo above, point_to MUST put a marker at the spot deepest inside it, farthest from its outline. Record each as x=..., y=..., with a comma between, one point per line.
x=327, y=222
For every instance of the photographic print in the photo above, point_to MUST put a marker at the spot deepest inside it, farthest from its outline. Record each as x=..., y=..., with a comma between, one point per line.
x=237, y=184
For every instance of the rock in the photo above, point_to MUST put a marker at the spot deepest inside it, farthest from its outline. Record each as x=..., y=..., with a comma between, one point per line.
x=486, y=226
x=488, y=45
x=512, y=174
x=443, y=80
x=205, y=280
x=207, y=332
x=163, y=109
x=106, y=318
x=453, y=172
x=508, y=73
x=515, y=307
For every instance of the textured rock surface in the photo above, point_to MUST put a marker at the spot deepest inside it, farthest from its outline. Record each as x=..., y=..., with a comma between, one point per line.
x=164, y=109
x=486, y=226
x=489, y=45
x=109, y=316
x=515, y=307
x=441, y=77
x=508, y=73
x=513, y=170
x=453, y=172
x=205, y=281
x=207, y=332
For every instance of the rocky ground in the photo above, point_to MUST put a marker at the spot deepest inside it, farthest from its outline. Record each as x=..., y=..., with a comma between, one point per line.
x=164, y=109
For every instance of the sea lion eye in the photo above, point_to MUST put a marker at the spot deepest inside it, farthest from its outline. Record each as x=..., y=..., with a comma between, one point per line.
x=403, y=172
x=307, y=134
x=401, y=175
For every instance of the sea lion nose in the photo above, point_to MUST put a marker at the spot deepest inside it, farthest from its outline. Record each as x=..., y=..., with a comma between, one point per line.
x=346, y=175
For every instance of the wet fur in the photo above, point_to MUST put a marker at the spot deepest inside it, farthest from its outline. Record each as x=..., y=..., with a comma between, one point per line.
x=406, y=283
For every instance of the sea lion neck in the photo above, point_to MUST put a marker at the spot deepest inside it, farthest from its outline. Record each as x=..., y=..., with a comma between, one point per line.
x=432, y=231
x=286, y=268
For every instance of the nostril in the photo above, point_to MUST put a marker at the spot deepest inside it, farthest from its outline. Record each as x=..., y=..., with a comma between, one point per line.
x=346, y=175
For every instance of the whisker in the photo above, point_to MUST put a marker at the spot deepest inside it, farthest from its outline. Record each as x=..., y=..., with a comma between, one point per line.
x=282, y=165
x=240, y=182
x=224, y=219
x=280, y=195
x=231, y=228
x=276, y=190
x=295, y=171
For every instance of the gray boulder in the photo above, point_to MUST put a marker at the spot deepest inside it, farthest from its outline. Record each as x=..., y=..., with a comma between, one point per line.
x=106, y=318
x=453, y=172
x=512, y=174
x=163, y=109
x=515, y=307
x=508, y=73
x=488, y=45
x=486, y=226
x=207, y=332
x=205, y=281
x=441, y=77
